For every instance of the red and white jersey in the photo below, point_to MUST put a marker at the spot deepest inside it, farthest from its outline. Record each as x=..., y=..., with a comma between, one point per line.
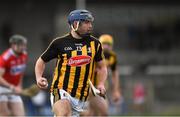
x=14, y=66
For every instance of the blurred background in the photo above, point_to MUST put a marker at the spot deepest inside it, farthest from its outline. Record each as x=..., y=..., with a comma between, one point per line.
x=147, y=41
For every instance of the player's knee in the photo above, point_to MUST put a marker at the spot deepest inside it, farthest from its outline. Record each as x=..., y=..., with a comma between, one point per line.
x=68, y=108
x=98, y=107
x=62, y=108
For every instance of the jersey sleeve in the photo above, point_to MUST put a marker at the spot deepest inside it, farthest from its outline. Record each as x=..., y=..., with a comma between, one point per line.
x=99, y=55
x=114, y=64
x=50, y=53
x=2, y=62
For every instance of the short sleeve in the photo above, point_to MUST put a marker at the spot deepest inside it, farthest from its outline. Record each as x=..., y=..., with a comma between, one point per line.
x=2, y=62
x=50, y=53
x=99, y=55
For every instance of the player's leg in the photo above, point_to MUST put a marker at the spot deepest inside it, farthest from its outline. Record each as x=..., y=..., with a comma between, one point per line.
x=4, y=111
x=15, y=102
x=60, y=102
x=16, y=105
x=62, y=108
x=98, y=106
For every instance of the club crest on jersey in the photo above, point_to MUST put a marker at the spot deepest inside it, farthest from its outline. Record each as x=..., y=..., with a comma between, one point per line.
x=79, y=60
x=15, y=70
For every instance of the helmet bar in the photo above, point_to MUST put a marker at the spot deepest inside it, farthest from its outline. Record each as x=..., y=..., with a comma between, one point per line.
x=75, y=29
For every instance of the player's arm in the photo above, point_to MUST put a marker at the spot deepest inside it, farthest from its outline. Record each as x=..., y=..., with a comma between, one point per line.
x=4, y=82
x=116, y=93
x=18, y=89
x=102, y=76
x=39, y=70
x=115, y=80
x=101, y=69
x=49, y=54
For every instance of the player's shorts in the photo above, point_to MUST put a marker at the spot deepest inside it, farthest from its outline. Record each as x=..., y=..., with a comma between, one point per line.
x=76, y=105
x=10, y=97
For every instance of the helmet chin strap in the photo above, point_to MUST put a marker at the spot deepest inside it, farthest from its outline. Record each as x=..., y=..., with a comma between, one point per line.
x=76, y=30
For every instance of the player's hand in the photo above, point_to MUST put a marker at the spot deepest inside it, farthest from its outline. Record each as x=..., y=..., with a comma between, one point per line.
x=116, y=97
x=42, y=83
x=17, y=90
x=102, y=89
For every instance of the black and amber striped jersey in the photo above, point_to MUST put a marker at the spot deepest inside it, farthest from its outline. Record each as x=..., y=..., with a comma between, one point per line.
x=111, y=60
x=76, y=61
x=111, y=63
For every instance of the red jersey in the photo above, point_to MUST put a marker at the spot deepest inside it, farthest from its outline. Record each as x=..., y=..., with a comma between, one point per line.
x=14, y=66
